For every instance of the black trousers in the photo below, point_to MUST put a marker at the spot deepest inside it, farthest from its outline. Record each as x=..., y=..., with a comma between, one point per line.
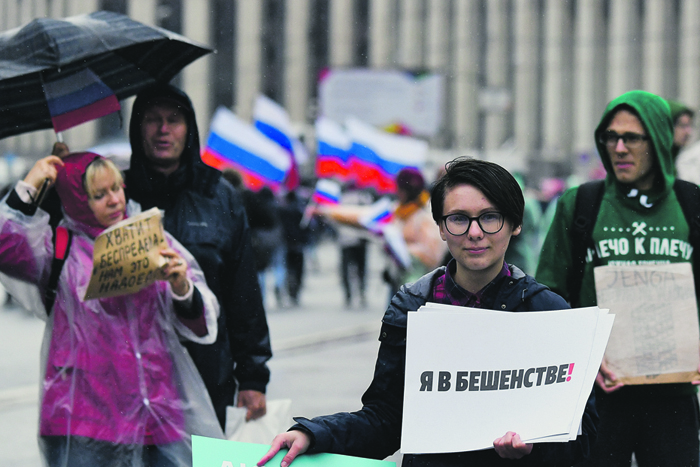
x=659, y=429
x=295, y=272
x=355, y=255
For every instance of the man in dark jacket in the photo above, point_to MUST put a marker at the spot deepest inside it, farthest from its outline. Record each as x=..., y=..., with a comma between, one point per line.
x=206, y=215
x=478, y=207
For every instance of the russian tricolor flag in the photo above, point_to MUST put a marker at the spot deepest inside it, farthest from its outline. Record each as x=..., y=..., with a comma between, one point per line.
x=327, y=192
x=273, y=121
x=379, y=215
x=333, y=150
x=237, y=144
x=77, y=99
x=376, y=157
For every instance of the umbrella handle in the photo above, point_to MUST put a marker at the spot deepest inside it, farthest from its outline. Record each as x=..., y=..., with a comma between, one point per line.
x=42, y=192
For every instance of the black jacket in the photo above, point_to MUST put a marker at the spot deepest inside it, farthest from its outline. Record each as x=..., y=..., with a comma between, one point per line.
x=375, y=430
x=206, y=215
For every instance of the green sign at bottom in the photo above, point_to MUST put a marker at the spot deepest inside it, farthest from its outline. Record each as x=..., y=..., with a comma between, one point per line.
x=210, y=452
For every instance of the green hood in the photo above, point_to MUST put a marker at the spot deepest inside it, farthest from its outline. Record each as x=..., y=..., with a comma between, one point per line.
x=678, y=109
x=655, y=115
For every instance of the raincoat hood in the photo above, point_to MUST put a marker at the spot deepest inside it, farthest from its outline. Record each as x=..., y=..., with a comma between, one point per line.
x=150, y=184
x=71, y=189
x=655, y=116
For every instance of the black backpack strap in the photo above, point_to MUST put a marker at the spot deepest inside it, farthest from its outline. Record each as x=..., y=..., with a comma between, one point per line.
x=62, y=238
x=688, y=195
x=588, y=199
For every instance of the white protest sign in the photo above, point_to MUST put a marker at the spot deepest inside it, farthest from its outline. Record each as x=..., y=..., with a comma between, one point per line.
x=126, y=256
x=655, y=337
x=471, y=377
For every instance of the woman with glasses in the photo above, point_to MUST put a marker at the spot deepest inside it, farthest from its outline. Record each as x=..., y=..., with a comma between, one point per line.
x=478, y=207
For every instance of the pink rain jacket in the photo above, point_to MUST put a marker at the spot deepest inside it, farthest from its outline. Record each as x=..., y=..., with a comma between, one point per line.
x=113, y=369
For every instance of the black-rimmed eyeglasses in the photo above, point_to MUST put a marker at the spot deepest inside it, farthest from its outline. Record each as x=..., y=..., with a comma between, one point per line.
x=489, y=223
x=630, y=140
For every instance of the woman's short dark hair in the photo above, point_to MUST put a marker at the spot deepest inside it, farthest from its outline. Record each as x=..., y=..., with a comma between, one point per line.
x=495, y=182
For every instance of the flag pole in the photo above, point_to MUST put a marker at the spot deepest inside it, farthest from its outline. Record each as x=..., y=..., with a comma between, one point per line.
x=308, y=214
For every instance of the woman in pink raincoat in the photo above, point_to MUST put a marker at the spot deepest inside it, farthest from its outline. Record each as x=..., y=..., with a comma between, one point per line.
x=118, y=389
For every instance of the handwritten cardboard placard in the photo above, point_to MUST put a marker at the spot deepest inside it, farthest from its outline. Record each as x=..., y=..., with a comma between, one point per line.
x=210, y=452
x=126, y=256
x=655, y=337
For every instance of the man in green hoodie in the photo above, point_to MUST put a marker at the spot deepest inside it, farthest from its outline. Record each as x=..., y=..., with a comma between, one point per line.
x=657, y=422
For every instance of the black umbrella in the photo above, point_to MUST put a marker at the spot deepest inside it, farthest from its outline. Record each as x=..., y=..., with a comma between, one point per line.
x=126, y=55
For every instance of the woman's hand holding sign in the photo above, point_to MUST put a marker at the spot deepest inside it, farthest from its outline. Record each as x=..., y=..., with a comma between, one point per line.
x=297, y=442
x=510, y=446
x=175, y=272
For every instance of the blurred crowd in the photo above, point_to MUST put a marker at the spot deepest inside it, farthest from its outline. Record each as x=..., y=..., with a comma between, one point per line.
x=287, y=227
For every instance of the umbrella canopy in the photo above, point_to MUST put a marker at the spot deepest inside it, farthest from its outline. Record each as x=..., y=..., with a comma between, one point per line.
x=126, y=55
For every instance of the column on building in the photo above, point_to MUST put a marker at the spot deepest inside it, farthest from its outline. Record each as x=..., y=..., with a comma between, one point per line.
x=57, y=8
x=381, y=33
x=39, y=9
x=25, y=12
x=588, y=74
x=79, y=7
x=7, y=15
x=196, y=25
x=410, y=45
x=465, y=71
x=340, y=35
x=297, y=59
x=497, y=63
x=248, y=58
x=438, y=54
x=659, y=61
x=526, y=72
x=622, y=34
x=689, y=55
x=438, y=48
x=143, y=11
x=556, y=97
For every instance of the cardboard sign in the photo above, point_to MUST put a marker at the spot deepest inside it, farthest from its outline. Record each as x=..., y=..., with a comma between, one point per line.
x=210, y=452
x=126, y=257
x=473, y=374
x=655, y=337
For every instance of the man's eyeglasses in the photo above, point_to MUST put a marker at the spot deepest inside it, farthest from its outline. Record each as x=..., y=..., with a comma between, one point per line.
x=489, y=223
x=630, y=140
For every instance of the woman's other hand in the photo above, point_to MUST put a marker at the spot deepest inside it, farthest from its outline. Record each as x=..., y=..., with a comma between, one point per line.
x=175, y=271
